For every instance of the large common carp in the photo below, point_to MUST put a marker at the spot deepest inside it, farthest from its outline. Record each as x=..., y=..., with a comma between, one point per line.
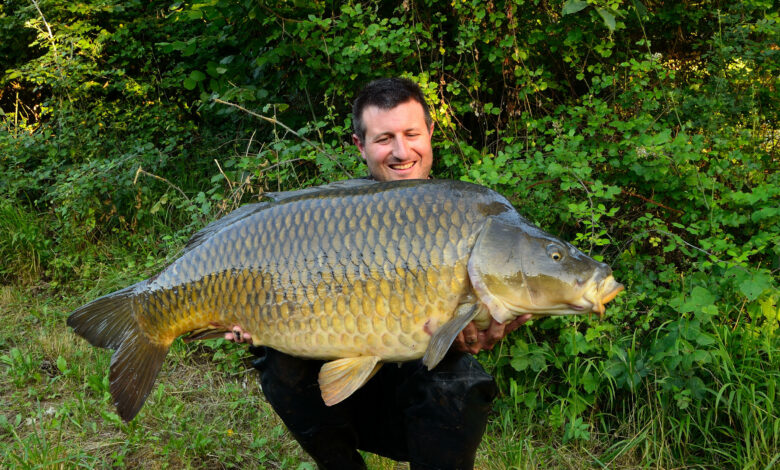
x=356, y=273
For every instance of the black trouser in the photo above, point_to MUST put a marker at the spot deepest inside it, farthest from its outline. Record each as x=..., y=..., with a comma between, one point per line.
x=433, y=419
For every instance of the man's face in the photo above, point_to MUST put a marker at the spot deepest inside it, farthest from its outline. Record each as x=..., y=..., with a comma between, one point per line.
x=397, y=144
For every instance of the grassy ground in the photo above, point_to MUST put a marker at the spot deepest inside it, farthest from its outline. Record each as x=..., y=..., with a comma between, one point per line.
x=57, y=413
x=206, y=411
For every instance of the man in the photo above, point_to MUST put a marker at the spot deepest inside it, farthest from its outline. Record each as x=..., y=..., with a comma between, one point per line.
x=433, y=419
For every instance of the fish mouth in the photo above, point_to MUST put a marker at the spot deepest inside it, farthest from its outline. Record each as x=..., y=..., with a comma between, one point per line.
x=603, y=293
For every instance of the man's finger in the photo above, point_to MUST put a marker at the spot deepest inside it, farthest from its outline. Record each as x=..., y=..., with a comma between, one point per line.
x=494, y=333
x=468, y=340
x=472, y=341
x=498, y=331
x=460, y=343
x=470, y=333
x=517, y=323
x=237, y=335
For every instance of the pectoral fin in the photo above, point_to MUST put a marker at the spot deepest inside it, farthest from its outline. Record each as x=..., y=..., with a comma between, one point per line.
x=443, y=337
x=340, y=378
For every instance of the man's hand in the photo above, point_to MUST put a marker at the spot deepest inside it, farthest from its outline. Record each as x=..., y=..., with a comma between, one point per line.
x=472, y=341
x=238, y=335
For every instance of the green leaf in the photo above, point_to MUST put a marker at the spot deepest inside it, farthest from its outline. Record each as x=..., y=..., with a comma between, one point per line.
x=699, y=298
x=197, y=76
x=62, y=364
x=372, y=30
x=530, y=400
x=573, y=6
x=112, y=418
x=641, y=9
x=703, y=339
x=519, y=364
x=755, y=286
x=189, y=83
x=609, y=18
x=190, y=49
x=765, y=213
x=590, y=382
x=700, y=355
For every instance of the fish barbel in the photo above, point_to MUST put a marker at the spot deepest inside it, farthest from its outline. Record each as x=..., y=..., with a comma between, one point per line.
x=356, y=273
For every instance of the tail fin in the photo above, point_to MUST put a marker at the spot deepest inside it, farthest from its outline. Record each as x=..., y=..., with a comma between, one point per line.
x=108, y=322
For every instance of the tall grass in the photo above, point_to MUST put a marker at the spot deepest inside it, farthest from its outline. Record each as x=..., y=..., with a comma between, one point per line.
x=735, y=424
x=721, y=413
x=24, y=247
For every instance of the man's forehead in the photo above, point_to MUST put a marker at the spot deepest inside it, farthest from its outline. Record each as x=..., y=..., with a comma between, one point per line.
x=409, y=114
x=409, y=105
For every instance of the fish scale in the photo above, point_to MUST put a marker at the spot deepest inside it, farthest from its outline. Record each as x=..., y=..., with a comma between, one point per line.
x=380, y=218
x=357, y=274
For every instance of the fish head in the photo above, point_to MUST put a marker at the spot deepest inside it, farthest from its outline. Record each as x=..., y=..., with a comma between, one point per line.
x=519, y=269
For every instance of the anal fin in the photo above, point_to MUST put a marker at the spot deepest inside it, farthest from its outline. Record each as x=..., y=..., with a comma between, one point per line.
x=443, y=337
x=341, y=378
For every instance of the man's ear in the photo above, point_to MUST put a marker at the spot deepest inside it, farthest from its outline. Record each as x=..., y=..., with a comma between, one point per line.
x=430, y=130
x=360, y=145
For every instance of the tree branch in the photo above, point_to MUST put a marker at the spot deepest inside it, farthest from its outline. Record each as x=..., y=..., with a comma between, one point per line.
x=288, y=129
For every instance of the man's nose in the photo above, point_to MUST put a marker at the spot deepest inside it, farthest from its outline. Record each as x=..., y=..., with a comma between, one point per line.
x=401, y=150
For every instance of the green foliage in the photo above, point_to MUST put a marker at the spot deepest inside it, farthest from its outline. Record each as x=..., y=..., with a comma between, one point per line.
x=24, y=246
x=645, y=133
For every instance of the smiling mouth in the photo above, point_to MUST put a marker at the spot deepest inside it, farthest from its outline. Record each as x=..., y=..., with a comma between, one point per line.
x=402, y=166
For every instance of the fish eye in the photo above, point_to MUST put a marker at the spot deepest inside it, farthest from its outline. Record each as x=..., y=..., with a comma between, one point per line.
x=555, y=252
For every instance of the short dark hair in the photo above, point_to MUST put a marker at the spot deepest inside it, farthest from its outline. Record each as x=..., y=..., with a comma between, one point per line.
x=386, y=93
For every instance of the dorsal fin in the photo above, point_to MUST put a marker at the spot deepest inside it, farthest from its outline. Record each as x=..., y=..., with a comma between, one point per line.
x=344, y=184
x=206, y=232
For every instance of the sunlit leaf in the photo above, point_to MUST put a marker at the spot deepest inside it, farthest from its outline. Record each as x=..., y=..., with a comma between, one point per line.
x=573, y=6
x=609, y=18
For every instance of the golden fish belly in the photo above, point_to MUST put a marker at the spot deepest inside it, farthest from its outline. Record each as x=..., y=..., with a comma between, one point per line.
x=389, y=318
